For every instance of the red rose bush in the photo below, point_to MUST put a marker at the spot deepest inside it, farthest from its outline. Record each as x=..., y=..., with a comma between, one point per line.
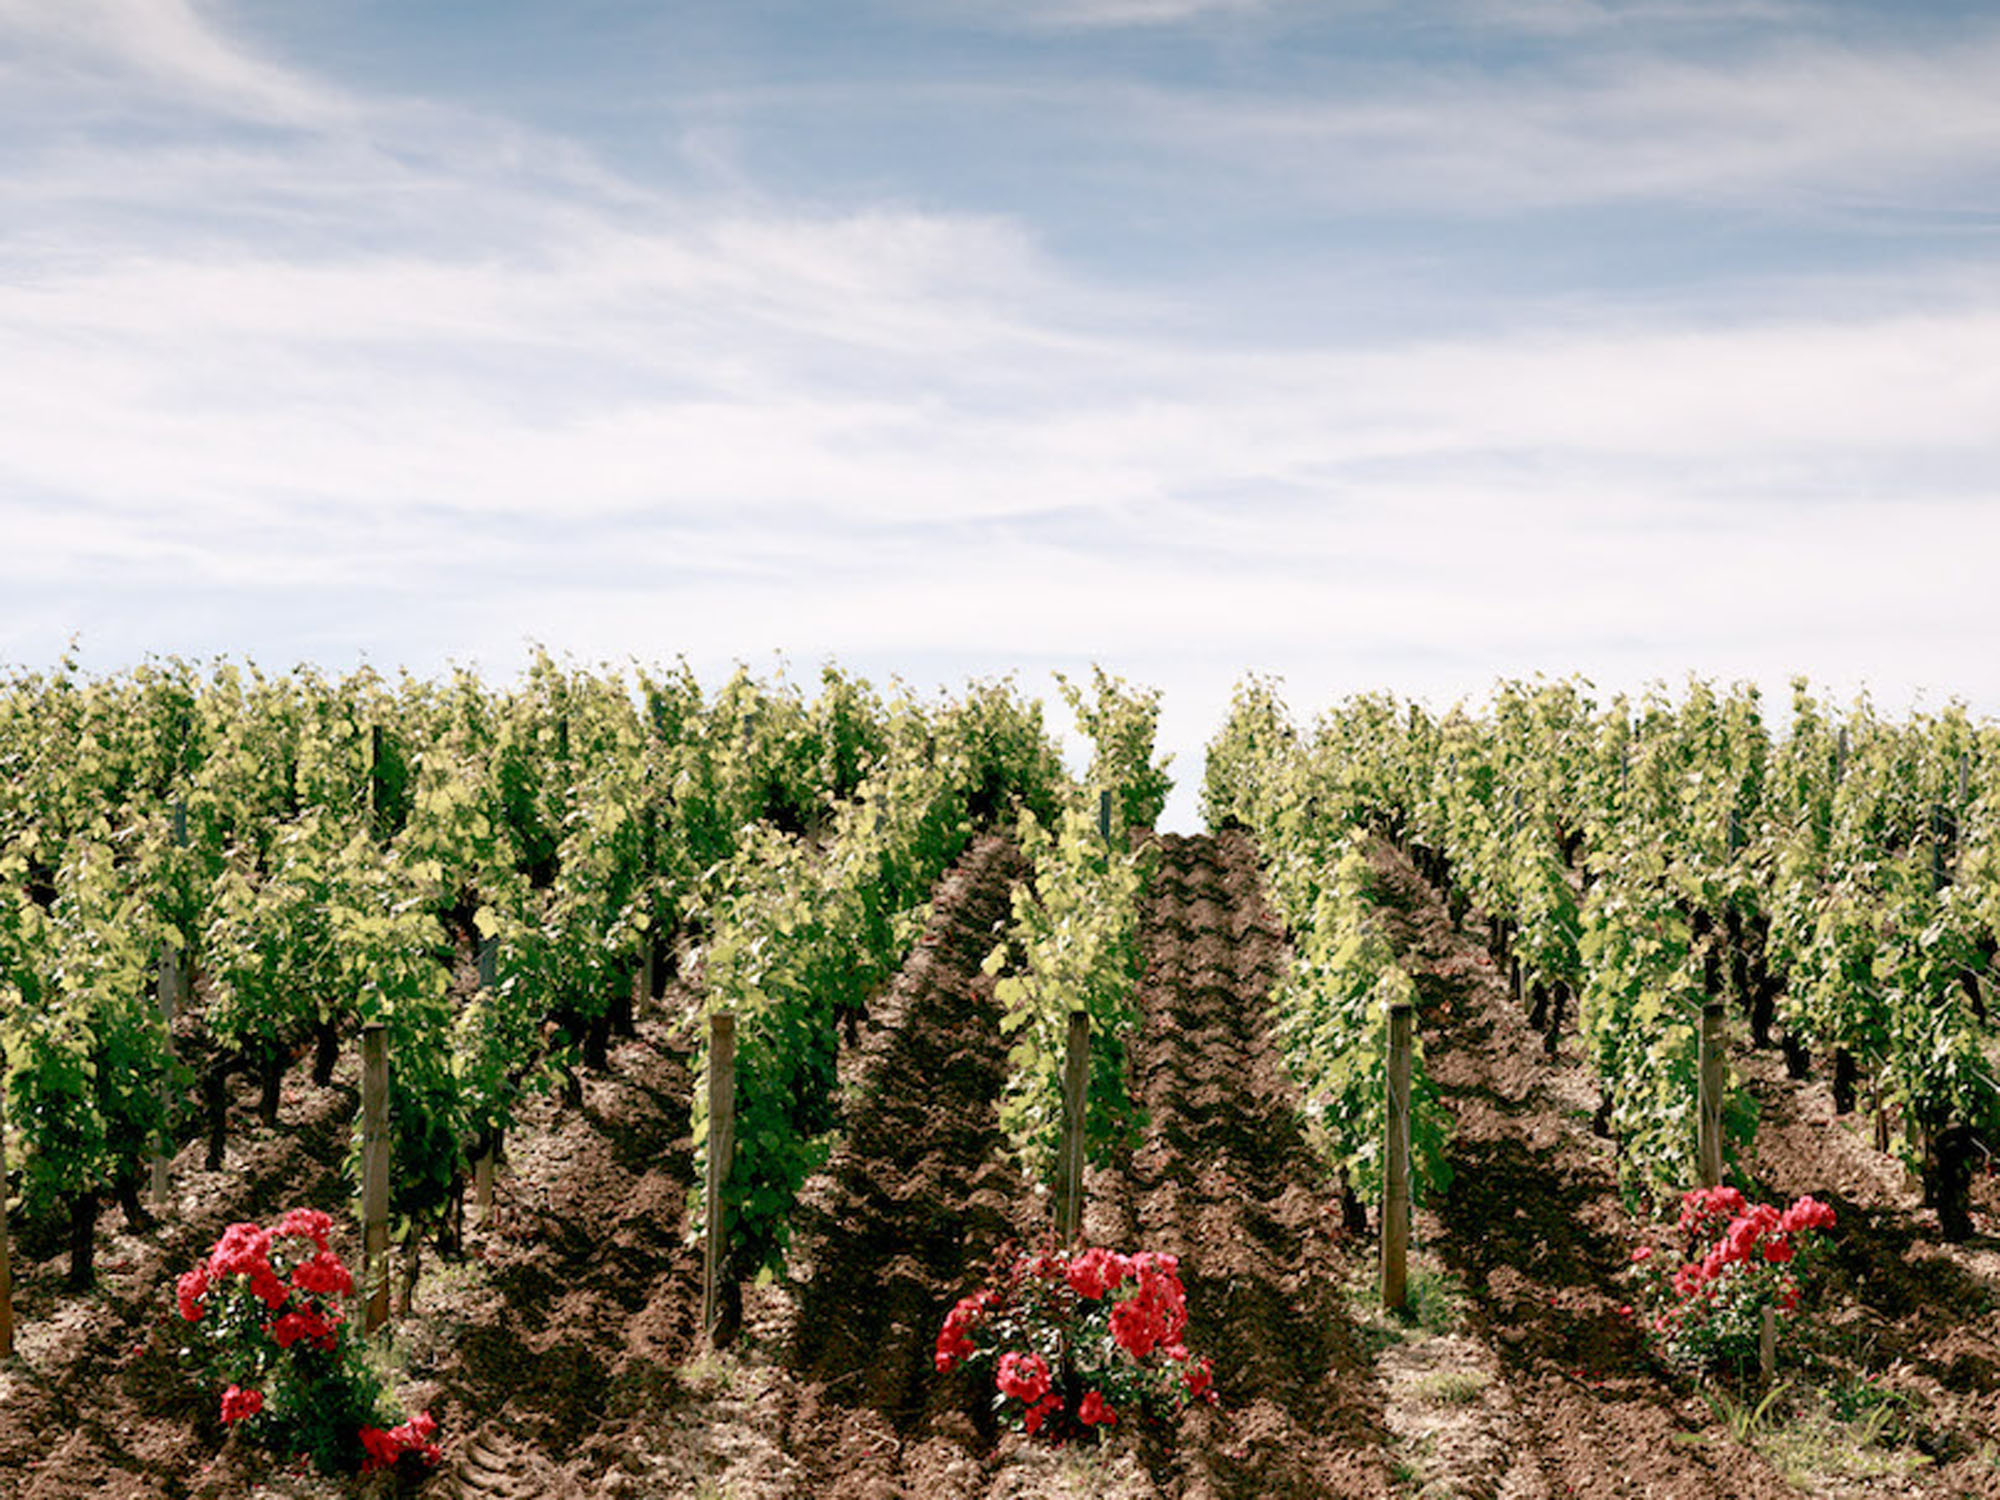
x=1080, y=1341
x=1706, y=1309
x=270, y=1328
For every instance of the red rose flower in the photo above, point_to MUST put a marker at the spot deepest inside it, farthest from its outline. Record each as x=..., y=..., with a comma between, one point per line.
x=188, y=1292
x=380, y=1449
x=1022, y=1376
x=1200, y=1378
x=1096, y=1271
x=1135, y=1328
x=307, y=1224
x=324, y=1275
x=954, y=1341
x=1033, y=1418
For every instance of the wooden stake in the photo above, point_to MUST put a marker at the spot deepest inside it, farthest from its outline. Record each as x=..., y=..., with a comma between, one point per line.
x=375, y=777
x=1708, y=1131
x=482, y=1181
x=6, y=1253
x=171, y=989
x=1396, y=1162
x=1069, y=1164
x=721, y=1158
x=375, y=1174
x=1767, y=1345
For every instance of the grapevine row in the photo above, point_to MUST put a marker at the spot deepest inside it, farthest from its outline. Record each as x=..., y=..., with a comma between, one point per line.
x=1638, y=859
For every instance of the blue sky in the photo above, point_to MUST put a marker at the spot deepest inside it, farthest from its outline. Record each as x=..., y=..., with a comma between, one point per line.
x=1368, y=344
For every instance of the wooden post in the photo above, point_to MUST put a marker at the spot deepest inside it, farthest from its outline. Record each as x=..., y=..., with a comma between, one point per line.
x=1069, y=1164
x=1767, y=1345
x=1708, y=1130
x=482, y=1181
x=171, y=988
x=1396, y=1162
x=375, y=1174
x=6, y=1252
x=482, y=1167
x=721, y=1158
x=1918, y=1155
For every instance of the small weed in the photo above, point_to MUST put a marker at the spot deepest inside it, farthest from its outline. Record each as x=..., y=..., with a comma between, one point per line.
x=1852, y=1429
x=1411, y=1468
x=1086, y=1470
x=1453, y=1387
x=1744, y=1420
x=1437, y=1300
x=709, y=1374
x=1873, y=1412
x=1435, y=1304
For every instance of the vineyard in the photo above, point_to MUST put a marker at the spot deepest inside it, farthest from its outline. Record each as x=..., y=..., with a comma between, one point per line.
x=724, y=1040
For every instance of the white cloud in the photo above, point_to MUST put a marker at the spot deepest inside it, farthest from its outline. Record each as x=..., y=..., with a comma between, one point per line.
x=1093, y=15
x=1585, y=18
x=168, y=45
x=1611, y=126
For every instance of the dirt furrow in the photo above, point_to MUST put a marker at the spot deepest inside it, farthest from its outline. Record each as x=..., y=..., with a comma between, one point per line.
x=582, y=1296
x=908, y=1211
x=1226, y=1181
x=1533, y=1226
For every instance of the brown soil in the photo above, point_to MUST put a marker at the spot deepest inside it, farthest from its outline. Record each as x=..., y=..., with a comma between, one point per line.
x=1534, y=1226
x=561, y=1354
x=1226, y=1181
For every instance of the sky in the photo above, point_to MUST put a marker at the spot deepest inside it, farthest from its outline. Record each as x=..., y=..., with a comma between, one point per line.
x=1407, y=344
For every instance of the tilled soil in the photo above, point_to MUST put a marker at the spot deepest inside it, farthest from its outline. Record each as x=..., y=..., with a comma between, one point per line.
x=1534, y=1227
x=1225, y=1180
x=1921, y=1311
x=95, y=1401
x=561, y=1353
x=911, y=1208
